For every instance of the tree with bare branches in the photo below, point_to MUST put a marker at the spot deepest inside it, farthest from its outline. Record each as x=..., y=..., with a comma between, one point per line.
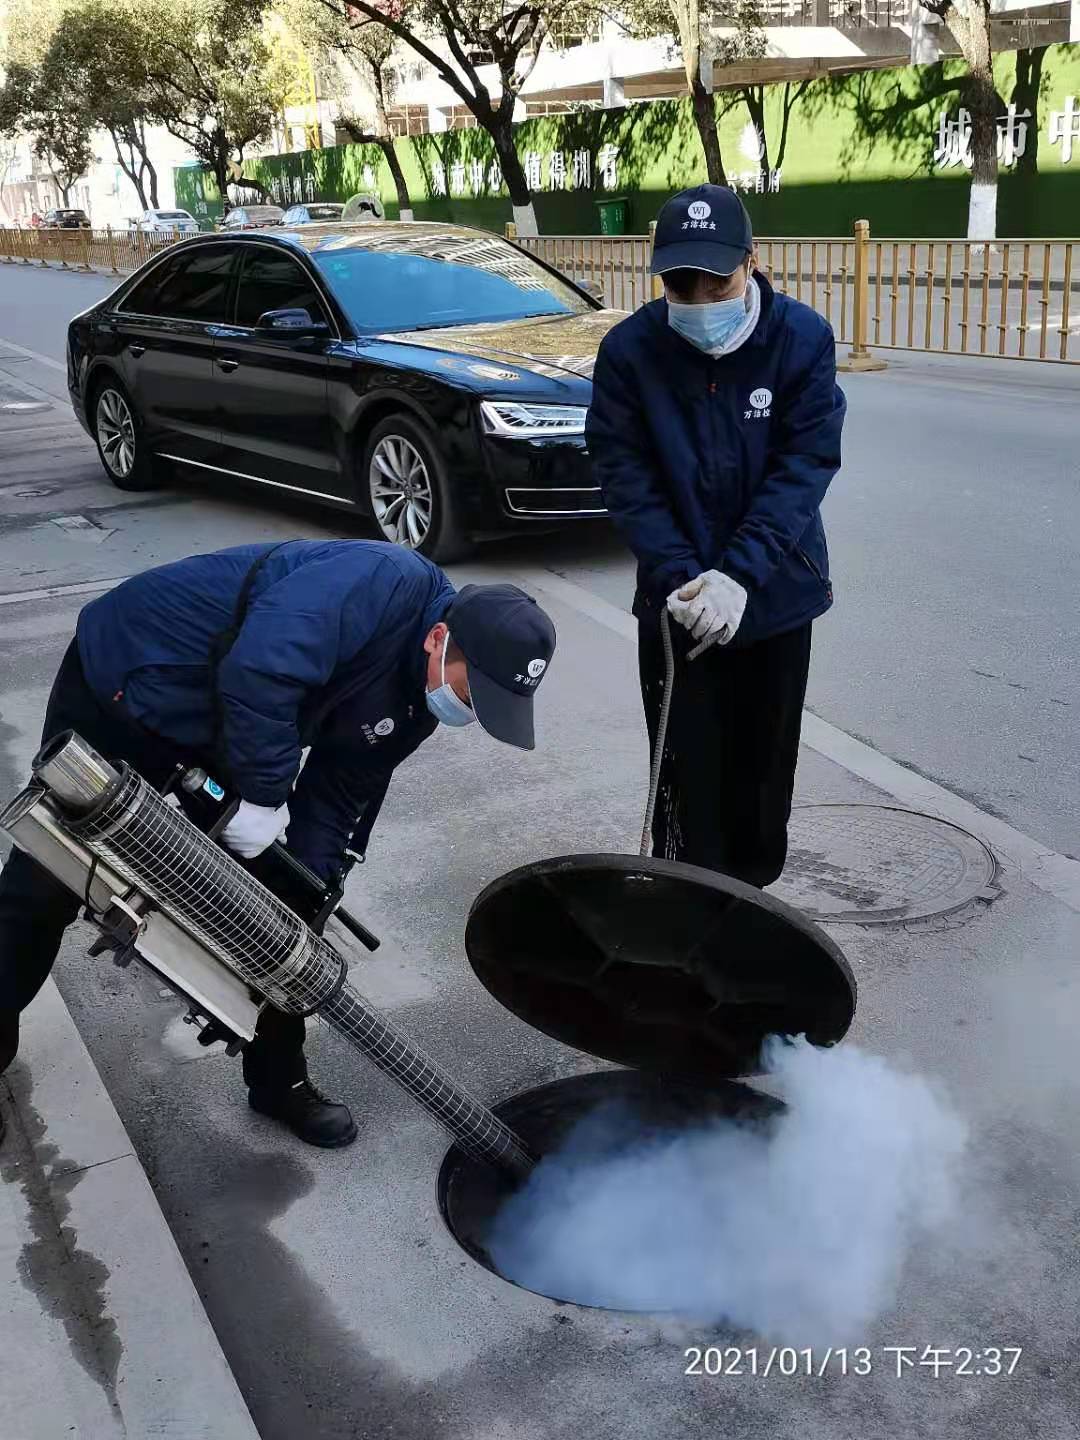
x=90, y=48
x=213, y=77
x=367, y=49
x=39, y=103
x=691, y=27
x=458, y=38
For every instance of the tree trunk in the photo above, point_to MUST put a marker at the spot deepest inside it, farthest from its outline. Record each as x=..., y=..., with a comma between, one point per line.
x=153, y=180
x=501, y=131
x=221, y=175
x=386, y=145
x=969, y=23
x=147, y=165
x=129, y=167
x=790, y=101
x=754, y=100
x=689, y=23
x=982, y=204
x=705, y=120
x=1025, y=96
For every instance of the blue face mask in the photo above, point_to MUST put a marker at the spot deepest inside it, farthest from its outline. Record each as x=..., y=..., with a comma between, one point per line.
x=708, y=326
x=445, y=703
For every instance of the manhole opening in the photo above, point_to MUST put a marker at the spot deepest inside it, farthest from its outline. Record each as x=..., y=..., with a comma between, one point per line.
x=635, y=1107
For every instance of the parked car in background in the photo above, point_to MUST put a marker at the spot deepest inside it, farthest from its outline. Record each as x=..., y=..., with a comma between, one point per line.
x=313, y=214
x=251, y=217
x=432, y=377
x=178, y=222
x=64, y=219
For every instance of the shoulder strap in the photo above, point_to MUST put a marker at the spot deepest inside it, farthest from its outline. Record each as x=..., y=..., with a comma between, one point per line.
x=220, y=646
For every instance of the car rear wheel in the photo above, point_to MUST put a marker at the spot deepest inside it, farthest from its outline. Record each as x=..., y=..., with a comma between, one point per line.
x=120, y=440
x=406, y=490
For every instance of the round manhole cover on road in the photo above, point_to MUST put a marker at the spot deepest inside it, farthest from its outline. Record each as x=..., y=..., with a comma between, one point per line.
x=873, y=865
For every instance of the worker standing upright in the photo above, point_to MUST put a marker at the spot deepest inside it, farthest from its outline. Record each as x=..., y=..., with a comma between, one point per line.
x=714, y=432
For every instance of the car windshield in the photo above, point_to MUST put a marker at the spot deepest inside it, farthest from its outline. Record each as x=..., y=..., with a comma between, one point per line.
x=485, y=281
x=324, y=212
x=171, y=214
x=262, y=212
x=71, y=214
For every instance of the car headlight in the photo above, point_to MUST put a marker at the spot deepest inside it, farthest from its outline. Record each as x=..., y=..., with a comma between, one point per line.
x=527, y=422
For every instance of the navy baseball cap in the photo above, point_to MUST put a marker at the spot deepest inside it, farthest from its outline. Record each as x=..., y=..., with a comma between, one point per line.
x=508, y=642
x=706, y=228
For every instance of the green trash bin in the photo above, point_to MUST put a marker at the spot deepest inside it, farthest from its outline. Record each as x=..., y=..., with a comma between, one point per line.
x=613, y=215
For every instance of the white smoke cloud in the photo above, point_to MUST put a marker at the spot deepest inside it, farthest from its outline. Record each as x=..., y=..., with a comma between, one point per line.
x=799, y=1234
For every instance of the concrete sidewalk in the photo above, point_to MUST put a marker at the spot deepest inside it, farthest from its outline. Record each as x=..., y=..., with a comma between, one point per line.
x=103, y=1333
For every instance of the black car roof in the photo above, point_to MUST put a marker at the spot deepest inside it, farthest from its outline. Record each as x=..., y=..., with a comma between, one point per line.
x=429, y=239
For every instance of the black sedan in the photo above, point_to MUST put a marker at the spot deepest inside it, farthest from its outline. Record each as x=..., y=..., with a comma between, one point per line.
x=434, y=377
x=66, y=220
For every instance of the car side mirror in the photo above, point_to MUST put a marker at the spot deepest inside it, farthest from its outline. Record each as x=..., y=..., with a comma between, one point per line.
x=592, y=289
x=296, y=324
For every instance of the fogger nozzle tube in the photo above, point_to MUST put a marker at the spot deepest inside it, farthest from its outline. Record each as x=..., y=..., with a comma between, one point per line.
x=233, y=917
x=73, y=770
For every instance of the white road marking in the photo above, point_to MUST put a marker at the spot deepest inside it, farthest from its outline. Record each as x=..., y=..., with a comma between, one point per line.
x=54, y=592
x=33, y=355
x=1049, y=871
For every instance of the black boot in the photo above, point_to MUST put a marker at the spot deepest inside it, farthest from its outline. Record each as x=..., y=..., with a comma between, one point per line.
x=307, y=1113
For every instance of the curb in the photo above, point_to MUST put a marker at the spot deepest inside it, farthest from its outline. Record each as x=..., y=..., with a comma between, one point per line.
x=105, y=1333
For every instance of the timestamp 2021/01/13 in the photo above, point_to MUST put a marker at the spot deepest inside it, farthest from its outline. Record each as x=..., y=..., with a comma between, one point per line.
x=962, y=1361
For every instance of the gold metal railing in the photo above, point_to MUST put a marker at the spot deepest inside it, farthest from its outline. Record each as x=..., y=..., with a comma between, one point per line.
x=618, y=264
x=1017, y=299
x=115, y=250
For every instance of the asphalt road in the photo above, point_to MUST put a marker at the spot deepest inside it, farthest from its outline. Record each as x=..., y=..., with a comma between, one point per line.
x=343, y=1305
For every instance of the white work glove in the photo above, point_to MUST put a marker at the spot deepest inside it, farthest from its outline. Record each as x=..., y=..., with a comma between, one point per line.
x=713, y=604
x=254, y=828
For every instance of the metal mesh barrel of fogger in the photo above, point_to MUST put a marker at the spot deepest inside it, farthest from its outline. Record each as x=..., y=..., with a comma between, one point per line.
x=165, y=857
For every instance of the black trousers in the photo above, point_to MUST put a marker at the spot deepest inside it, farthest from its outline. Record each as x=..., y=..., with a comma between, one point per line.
x=35, y=909
x=728, y=771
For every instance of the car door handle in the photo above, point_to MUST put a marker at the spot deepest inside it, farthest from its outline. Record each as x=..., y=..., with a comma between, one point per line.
x=227, y=365
x=136, y=350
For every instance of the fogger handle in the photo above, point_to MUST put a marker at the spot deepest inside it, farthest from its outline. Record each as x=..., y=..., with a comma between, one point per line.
x=354, y=927
x=211, y=808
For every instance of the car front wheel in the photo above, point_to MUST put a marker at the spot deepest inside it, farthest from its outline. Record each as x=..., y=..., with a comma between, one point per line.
x=406, y=490
x=120, y=440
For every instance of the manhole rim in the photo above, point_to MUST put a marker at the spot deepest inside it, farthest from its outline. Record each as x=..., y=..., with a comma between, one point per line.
x=455, y=1161
x=988, y=891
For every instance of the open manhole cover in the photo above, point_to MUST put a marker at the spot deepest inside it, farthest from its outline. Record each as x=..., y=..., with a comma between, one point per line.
x=873, y=865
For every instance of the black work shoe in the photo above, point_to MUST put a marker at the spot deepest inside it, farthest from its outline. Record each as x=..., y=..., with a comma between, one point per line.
x=9, y=1037
x=307, y=1114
